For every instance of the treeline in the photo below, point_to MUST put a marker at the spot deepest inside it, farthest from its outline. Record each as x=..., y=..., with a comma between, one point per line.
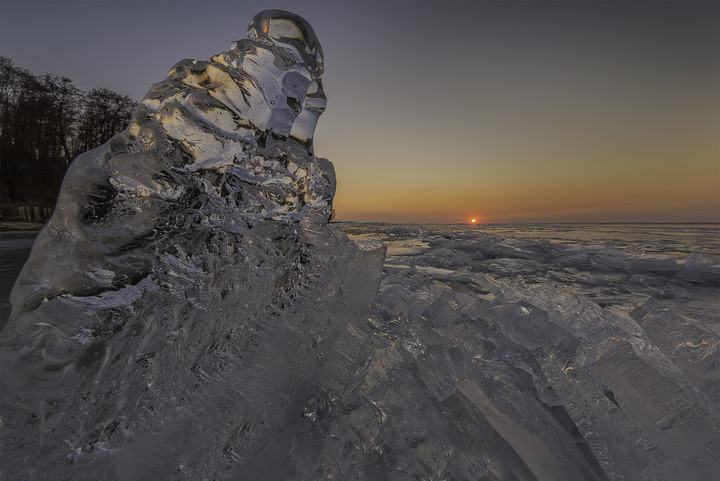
x=45, y=122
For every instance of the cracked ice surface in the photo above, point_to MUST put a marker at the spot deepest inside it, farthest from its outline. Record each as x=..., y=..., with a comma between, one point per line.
x=509, y=358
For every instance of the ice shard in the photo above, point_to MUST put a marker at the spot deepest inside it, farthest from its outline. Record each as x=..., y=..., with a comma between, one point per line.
x=176, y=315
x=210, y=148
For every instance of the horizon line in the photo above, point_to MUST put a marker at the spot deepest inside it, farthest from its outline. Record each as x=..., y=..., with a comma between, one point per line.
x=529, y=223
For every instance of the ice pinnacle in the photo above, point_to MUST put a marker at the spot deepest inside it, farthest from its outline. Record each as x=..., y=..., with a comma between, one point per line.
x=180, y=311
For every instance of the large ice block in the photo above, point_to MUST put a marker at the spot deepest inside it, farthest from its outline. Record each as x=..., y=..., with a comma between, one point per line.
x=209, y=148
x=187, y=309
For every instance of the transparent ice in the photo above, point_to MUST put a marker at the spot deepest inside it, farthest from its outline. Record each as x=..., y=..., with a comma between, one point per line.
x=529, y=359
x=181, y=310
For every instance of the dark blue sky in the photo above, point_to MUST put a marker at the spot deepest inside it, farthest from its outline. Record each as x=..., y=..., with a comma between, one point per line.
x=507, y=110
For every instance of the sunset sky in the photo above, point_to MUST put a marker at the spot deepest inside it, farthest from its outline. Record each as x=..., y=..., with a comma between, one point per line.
x=508, y=111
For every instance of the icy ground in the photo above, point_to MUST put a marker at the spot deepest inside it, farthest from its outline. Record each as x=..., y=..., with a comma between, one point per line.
x=485, y=357
x=502, y=358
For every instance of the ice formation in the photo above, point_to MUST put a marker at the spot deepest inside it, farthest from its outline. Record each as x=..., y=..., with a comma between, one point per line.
x=510, y=359
x=214, y=147
x=188, y=314
x=179, y=312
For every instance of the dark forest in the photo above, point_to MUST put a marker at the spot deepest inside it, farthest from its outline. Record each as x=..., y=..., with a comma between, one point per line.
x=45, y=122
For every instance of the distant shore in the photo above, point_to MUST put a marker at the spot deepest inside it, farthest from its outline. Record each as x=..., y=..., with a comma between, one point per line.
x=21, y=226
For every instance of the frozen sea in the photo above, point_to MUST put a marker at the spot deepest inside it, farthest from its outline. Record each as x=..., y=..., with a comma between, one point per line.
x=546, y=351
x=617, y=265
x=613, y=326
x=676, y=240
x=409, y=241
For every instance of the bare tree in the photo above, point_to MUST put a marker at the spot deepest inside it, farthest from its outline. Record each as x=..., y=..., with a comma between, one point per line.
x=105, y=113
x=45, y=122
x=62, y=115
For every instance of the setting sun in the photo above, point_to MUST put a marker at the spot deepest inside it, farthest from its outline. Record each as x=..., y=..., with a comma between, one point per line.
x=473, y=220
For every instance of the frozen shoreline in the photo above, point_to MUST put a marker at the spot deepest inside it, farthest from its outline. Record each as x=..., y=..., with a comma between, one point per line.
x=21, y=226
x=621, y=346
x=603, y=362
x=580, y=262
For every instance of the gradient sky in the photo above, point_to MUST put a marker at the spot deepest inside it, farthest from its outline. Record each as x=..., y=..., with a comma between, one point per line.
x=510, y=111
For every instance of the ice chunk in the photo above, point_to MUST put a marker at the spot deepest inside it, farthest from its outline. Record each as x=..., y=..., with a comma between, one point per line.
x=531, y=328
x=188, y=305
x=662, y=265
x=206, y=147
x=666, y=415
x=608, y=259
x=521, y=249
x=700, y=269
x=572, y=255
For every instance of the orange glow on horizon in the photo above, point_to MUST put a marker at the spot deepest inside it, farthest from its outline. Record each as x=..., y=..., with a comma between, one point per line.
x=689, y=197
x=473, y=220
